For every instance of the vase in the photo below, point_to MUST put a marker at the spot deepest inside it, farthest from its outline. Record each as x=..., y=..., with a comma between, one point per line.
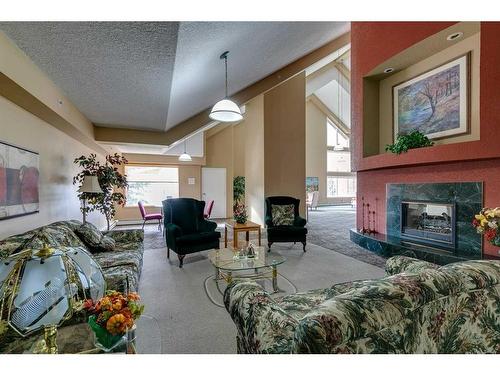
x=104, y=339
x=241, y=220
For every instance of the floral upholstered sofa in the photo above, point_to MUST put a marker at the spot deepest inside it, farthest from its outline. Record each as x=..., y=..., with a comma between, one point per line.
x=418, y=307
x=119, y=254
x=121, y=263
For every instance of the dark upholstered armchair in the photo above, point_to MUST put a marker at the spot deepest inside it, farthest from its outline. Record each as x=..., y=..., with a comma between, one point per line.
x=186, y=230
x=296, y=232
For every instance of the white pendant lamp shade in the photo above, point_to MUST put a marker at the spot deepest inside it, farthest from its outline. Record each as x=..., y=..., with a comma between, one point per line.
x=225, y=111
x=90, y=184
x=185, y=156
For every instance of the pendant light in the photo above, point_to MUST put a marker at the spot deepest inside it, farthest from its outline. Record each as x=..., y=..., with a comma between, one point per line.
x=225, y=110
x=185, y=156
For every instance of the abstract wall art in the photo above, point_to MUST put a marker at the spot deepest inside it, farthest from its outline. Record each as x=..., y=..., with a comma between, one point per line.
x=19, y=181
x=434, y=103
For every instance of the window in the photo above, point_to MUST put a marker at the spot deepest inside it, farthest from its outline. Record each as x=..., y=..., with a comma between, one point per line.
x=340, y=186
x=151, y=184
x=338, y=161
x=335, y=138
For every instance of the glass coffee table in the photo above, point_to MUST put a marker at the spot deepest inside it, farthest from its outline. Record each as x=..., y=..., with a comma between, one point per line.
x=229, y=266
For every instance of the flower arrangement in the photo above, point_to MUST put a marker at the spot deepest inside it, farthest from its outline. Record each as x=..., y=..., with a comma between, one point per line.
x=240, y=213
x=487, y=222
x=113, y=315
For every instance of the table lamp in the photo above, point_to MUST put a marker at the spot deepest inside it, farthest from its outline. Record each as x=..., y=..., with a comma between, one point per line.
x=90, y=184
x=40, y=289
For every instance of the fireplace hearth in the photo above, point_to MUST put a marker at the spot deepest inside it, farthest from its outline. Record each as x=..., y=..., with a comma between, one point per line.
x=430, y=223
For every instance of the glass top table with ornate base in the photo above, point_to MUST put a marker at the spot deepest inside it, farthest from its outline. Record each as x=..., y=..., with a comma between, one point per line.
x=145, y=338
x=229, y=265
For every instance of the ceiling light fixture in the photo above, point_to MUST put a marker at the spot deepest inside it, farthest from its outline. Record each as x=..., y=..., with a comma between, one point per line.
x=225, y=110
x=454, y=36
x=388, y=70
x=185, y=156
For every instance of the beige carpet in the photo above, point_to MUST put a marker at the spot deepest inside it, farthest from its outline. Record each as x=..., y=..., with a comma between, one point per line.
x=190, y=323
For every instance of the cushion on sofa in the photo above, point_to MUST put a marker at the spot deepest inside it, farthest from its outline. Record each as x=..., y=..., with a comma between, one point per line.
x=89, y=234
x=283, y=214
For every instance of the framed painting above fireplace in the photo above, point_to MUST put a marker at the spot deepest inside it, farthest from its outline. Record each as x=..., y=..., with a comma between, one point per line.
x=436, y=103
x=19, y=181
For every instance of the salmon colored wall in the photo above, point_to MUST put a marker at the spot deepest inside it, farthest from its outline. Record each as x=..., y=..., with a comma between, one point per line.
x=373, y=43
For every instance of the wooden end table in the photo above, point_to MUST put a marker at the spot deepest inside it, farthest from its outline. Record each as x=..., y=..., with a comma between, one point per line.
x=237, y=228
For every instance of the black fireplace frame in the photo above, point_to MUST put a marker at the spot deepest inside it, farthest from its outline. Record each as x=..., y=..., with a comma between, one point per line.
x=447, y=245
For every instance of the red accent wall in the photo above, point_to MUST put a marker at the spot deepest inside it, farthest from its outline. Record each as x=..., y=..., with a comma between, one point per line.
x=374, y=42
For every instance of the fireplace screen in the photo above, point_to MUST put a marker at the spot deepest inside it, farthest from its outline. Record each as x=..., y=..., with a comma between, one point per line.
x=432, y=223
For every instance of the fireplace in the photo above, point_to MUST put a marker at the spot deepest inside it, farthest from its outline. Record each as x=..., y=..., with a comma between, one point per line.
x=430, y=223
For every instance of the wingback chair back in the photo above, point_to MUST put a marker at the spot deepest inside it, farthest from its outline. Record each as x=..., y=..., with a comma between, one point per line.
x=185, y=213
x=280, y=200
x=142, y=209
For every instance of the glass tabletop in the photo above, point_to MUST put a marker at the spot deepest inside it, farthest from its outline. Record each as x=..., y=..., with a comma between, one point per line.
x=227, y=259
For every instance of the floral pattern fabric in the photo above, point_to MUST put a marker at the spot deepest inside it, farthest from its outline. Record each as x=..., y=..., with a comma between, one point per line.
x=121, y=266
x=90, y=235
x=282, y=214
x=422, y=309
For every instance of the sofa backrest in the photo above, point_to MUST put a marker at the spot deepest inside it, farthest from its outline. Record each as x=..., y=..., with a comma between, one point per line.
x=60, y=233
x=453, y=309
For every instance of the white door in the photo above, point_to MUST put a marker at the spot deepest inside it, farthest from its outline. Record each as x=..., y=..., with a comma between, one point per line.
x=213, y=187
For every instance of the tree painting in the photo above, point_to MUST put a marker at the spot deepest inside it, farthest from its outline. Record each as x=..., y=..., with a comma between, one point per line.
x=433, y=103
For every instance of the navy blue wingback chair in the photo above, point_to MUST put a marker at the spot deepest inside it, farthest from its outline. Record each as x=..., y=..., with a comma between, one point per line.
x=285, y=233
x=186, y=229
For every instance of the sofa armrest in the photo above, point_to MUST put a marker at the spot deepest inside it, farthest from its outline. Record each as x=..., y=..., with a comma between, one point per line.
x=208, y=226
x=400, y=263
x=299, y=222
x=262, y=325
x=126, y=235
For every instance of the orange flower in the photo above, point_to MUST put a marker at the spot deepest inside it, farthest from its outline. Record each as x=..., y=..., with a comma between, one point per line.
x=105, y=303
x=117, y=305
x=133, y=296
x=116, y=324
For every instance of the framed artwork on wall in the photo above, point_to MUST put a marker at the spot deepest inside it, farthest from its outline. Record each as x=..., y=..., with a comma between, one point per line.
x=435, y=103
x=312, y=184
x=19, y=181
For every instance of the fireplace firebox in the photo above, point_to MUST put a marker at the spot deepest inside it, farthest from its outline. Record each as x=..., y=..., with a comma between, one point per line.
x=430, y=223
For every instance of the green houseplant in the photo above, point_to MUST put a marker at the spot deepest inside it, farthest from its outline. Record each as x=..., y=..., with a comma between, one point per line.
x=239, y=209
x=110, y=180
x=404, y=142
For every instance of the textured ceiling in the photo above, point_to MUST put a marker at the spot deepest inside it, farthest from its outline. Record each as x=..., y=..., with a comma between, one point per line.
x=153, y=75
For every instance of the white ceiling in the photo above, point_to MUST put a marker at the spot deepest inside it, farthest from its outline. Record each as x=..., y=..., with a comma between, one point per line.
x=153, y=75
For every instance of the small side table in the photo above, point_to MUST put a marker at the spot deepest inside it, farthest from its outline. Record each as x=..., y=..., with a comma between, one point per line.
x=237, y=228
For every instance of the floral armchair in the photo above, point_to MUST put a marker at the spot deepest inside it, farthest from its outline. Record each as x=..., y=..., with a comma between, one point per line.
x=418, y=308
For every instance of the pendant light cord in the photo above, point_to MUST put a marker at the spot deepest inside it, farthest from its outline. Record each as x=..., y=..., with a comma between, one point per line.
x=225, y=63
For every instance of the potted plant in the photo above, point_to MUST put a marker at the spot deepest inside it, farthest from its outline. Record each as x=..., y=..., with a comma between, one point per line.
x=404, y=142
x=110, y=180
x=487, y=223
x=239, y=209
x=113, y=316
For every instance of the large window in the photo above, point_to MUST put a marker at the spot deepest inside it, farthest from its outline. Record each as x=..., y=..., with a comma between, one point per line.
x=151, y=184
x=340, y=181
x=340, y=186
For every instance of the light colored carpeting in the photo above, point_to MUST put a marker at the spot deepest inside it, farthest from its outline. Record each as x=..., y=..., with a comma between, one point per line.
x=190, y=323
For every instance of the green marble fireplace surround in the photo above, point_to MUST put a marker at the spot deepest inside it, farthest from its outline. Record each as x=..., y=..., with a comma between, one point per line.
x=468, y=200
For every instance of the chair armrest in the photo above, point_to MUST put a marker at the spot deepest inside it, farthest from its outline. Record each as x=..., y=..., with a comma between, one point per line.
x=172, y=230
x=299, y=221
x=399, y=264
x=269, y=221
x=262, y=325
x=208, y=226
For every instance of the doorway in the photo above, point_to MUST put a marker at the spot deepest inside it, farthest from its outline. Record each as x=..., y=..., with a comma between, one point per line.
x=213, y=187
